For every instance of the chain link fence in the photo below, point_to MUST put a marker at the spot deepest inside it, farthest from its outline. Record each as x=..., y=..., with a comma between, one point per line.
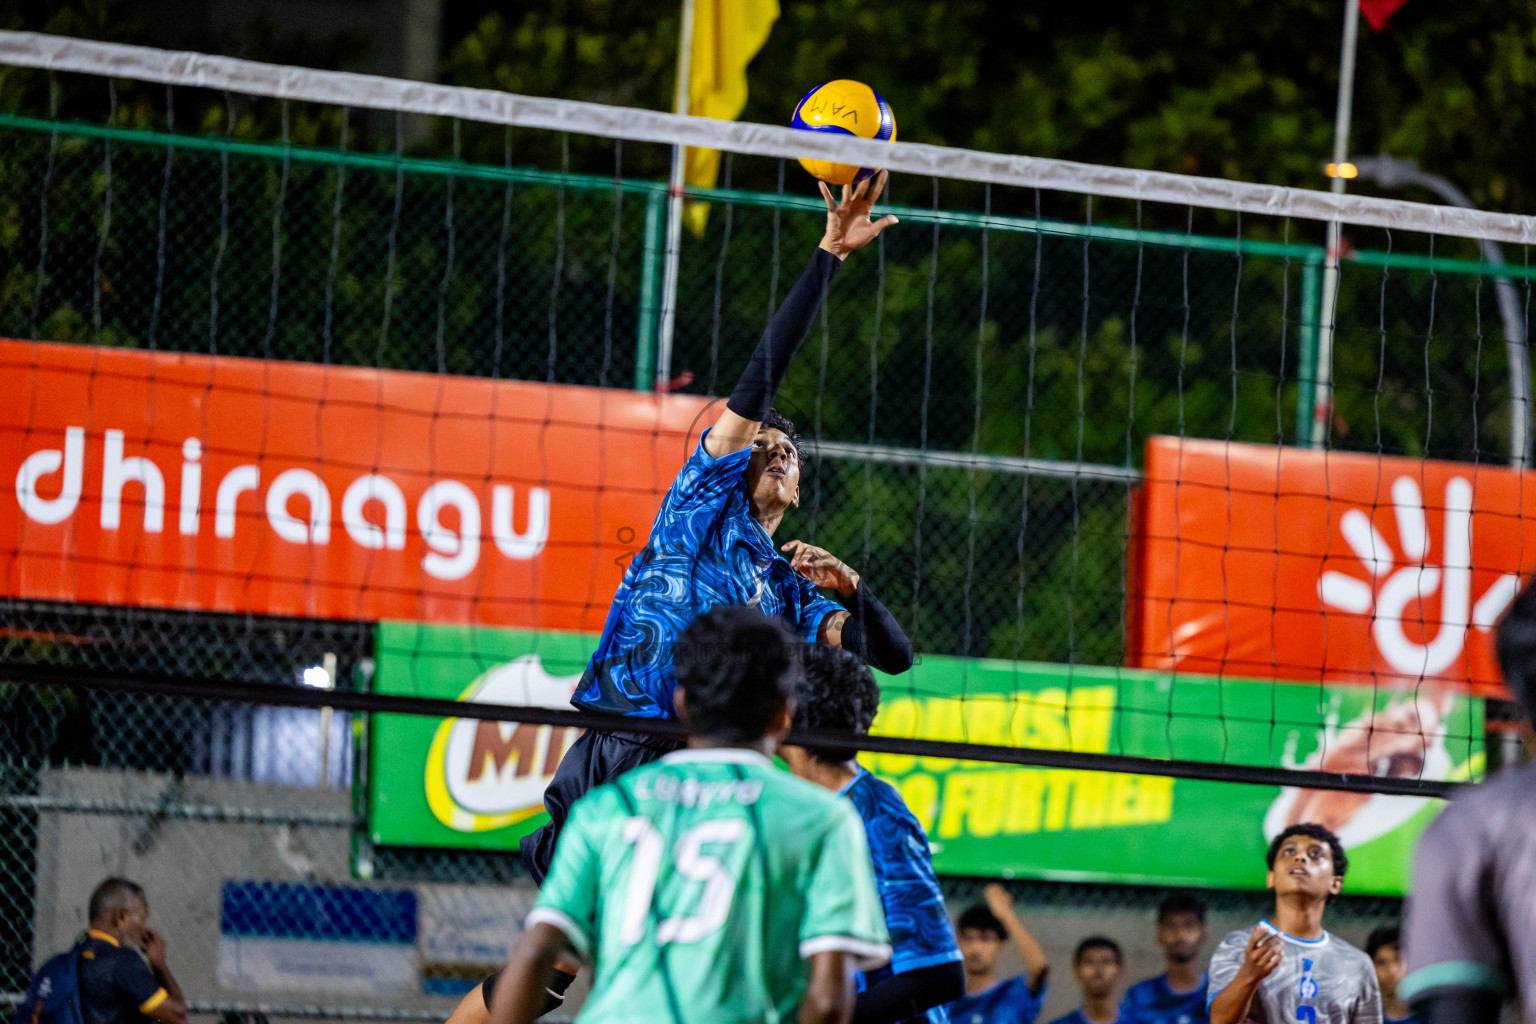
x=977, y=392
x=258, y=870
x=962, y=338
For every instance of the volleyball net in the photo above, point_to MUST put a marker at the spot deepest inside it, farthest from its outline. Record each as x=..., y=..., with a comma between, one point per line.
x=377, y=385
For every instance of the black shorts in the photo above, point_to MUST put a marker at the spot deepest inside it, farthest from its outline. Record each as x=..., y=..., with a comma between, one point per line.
x=595, y=758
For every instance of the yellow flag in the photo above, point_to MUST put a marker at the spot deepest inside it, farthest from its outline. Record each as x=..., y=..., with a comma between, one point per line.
x=726, y=36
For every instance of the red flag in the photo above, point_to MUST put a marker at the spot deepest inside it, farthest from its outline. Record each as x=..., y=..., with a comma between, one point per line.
x=1378, y=12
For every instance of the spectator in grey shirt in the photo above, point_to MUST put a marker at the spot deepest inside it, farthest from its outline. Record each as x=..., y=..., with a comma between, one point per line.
x=1289, y=970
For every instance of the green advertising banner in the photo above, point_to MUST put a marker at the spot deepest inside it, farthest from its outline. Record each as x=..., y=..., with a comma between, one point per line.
x=469, y=784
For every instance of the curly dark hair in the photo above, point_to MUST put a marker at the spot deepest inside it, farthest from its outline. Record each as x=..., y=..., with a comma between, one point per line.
x=837, y=693
x=738, y=669
x=776, y=420
x=1515, y=642
x=1311, y=831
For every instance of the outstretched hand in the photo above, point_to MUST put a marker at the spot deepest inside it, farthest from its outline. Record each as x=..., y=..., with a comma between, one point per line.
x=849, y=225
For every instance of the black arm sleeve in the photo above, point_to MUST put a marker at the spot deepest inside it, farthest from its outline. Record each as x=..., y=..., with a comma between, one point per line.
x=760, y=380
x=554, y=995
x=873, y=633
x=488, y=987
x=1461, y=1006
x=904, y=996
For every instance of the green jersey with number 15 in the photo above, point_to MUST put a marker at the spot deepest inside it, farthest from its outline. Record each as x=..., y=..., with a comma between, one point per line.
x=699, y=886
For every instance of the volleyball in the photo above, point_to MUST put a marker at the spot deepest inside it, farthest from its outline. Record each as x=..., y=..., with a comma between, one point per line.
x=845, y=107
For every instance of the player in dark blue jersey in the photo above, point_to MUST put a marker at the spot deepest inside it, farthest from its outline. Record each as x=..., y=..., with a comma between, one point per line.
x=1096, y=964
x=712, y=544
x=838, y=694
x=1178, y=995
x=1385, y=948
x=989, y=999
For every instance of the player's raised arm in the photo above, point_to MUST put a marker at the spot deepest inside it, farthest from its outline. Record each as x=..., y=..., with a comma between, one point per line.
x=849, y=227
x=1036, y=963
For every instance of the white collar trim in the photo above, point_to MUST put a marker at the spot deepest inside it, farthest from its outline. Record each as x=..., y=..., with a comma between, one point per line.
x=717, y=755
x=1309, y=943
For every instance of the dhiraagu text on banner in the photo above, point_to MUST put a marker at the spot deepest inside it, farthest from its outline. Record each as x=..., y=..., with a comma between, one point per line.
x=471, y=784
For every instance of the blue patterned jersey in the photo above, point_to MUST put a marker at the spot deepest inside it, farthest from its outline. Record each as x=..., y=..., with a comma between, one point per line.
x=1154, y=1002
x=1007, y=1002
x=705, y=550
x=915, y=915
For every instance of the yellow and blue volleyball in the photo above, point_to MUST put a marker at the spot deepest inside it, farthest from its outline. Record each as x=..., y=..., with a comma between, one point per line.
x=844, y=107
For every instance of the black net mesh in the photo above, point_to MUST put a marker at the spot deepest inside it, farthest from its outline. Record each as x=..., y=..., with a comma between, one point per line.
x=978, y=396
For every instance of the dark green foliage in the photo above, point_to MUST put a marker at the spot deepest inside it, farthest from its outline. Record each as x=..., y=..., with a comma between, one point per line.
x=1010, y=342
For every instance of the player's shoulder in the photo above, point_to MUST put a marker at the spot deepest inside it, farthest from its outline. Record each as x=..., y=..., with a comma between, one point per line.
x=818, y=812
x=617, y=797
x=701, y=462
x=1489, y=807
x=114, y=959
x=876, y=798
x=1236, y=937
x=1347, y=951
x=1016, y=988
x=1143, y=991
x=826, y=806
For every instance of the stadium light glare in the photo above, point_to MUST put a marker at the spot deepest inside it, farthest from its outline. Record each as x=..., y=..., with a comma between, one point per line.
x=316, y=677
x=1344, y=170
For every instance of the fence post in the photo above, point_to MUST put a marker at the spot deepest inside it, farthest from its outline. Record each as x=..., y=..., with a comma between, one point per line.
x=652, y=257
x=1308, y=435
x=362, y=839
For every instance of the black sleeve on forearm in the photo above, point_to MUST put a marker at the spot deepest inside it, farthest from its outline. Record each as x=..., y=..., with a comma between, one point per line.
x=904, y=996
x=759, y=382
x=873, y=633
x=1460, y=1006
x=488, y=987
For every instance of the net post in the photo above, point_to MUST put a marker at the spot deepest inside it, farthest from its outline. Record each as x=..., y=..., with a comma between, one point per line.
x=1517, y=356
x=328, y=665
x=652, y=253
x=1306, y=356
x=361, y=845
x=675, y=184
x=1322, y=386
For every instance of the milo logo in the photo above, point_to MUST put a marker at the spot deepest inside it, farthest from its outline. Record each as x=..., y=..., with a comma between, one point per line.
x=485, y=775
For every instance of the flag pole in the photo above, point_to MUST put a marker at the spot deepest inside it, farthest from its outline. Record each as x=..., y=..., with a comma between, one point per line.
x=674, y=207
x=1322, y=391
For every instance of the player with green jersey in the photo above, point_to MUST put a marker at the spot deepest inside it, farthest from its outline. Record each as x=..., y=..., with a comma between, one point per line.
x=709, y=886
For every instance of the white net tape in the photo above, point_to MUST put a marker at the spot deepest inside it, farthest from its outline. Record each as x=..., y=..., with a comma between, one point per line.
x=30, y=49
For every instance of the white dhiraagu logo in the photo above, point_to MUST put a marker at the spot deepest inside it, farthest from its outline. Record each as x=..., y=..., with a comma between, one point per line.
x=373, y=510
x=1396, y=580
x=483, y=775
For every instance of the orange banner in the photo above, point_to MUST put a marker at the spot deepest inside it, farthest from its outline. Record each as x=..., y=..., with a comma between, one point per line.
x=241, y=485
x=1254, y=560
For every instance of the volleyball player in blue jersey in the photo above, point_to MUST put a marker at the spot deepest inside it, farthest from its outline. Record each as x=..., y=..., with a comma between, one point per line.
x=712, y=544
x=838, y=695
